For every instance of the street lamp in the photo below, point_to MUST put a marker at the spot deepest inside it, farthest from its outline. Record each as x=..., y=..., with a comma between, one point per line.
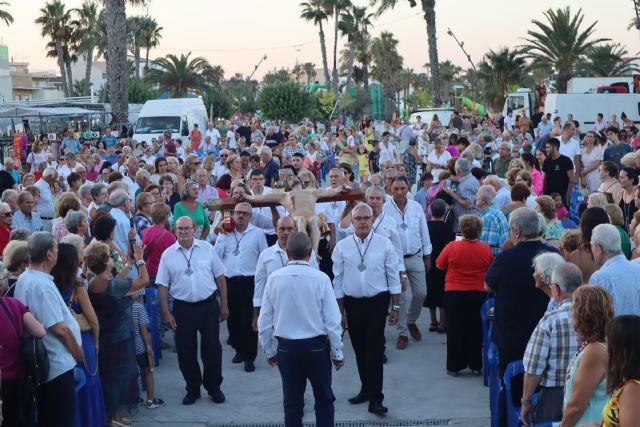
x=461, y=44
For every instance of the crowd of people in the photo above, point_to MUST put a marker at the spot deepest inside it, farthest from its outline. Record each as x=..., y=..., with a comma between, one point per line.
x=107, y=244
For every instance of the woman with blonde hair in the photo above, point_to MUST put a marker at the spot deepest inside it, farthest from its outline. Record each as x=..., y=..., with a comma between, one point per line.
x=553, y=230
x=597, y=200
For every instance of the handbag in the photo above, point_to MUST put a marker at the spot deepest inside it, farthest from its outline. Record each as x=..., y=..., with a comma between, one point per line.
x=34, y=353
x=80, y=318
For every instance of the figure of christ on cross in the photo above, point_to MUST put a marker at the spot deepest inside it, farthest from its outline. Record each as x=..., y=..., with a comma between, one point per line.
x=301, y=204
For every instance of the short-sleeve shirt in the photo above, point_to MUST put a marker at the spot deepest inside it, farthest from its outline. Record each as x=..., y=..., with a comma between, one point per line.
x=139, y=317
x=109, y=140
x=375, y=158
x=557, y=175
x=466, y=263
x=615, y=153
x=10, y=361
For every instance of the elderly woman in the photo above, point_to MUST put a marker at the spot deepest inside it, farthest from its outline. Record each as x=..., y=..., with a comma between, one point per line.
x=585, y=392
x=609, y=177
x=553, y=229
x=189, y=206
x=597, y=200
x=111, y=298
x=68, y=202
x=543, y=266
x=519, y=194
x=103, y=230
x=570, y=242
x=616, y=218
x=170, y=196
x=99, y=194
x=437, y=159
x=76, y=223
x=582, y=257
x=16, y=259
x=84, y=193
x=233, y=164
x=141, y=220
x=466, y=262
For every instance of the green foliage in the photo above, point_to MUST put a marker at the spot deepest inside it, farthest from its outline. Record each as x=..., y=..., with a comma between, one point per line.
x=418, y=99
x=179, y=75
x=286, y=101
x=242, y=94
x=81, y=88
x=140, y=91
x=497, y=71
x=606, y=60
x=280, y=76
x=357, y=105
x=4, y=15
x=326, y=101
x=218, y=102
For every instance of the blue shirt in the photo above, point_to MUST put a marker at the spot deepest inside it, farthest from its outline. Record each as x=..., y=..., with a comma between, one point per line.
x=622, y=279
x=421, y=197
x=544, y=129
x=109, y=140
x=73, y=144
x=495, y=228
x=21, y=221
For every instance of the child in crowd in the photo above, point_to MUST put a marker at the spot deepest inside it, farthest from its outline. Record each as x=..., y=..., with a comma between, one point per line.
x=144, y=352
x=561, y=210
x=363, y=162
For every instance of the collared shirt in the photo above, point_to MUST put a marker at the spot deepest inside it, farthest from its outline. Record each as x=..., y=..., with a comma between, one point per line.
x=121, y=232
x=73, y=144
x=415, y=236
x=333, y=212
x=249, y=244
x=37, y=291
x=552, y=345
x=207, y=193
x=64, y=171
x=385, y=226
x=206, y=267
x=299, y=303
x=219, y=169
x=387, y=153
x=622, y=279
x=544, y=129
x=214, y=134
x=133, y=187
x=21, y=221
x=495, y=228
x=45, y=206
x=381, y=262
x=207, y=148
x=467, y=190
x=271, y=259
x=503, y=197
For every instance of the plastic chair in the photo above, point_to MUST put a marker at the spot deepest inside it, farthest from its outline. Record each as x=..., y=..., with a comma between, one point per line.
x=487, y=323
x=513, y=411
x=569, y=224
x=495, y=385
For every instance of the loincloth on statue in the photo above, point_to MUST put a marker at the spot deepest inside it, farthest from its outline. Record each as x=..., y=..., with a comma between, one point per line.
x=322, y=223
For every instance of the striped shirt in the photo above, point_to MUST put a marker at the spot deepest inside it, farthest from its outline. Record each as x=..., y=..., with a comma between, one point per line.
x=495, y=228
x=552, y=345
x=139, y=317
x=21, y=221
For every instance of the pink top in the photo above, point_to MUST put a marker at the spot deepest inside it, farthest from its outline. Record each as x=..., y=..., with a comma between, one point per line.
x=157, y=239
x=562, y=213
x=10, y=358
x=537, y=181
x=452, y=150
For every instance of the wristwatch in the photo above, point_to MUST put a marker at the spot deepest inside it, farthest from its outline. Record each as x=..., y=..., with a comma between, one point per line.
x=140, y=263
x=403, y=274
x=395, y=308
x=525, y=401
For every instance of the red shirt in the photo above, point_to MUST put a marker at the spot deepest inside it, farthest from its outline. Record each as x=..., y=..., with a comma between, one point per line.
x=157, y=239
x=466, y=263
x=4, y=237
x=196, y=139
x=10, y=358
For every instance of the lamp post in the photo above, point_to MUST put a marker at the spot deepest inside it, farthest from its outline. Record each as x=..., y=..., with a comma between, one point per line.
x=461, y=44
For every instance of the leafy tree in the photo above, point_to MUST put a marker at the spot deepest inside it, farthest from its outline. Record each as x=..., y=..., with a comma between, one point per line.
x=280, y=76
x=497, y=71
x=81, y=87
x=387, y=62
x=151, y=35
x=560, y=42
x=354, y=23
x=178, y=75
x=326, y=102
x=218, y=102
x=606, y=60
x=140, y=91
x=335, y=8
x=418, y=99
x=357, y=105
x=314, y=11
x=242, y=93
x=287, y=101
x=135, y=25
x=448, y=73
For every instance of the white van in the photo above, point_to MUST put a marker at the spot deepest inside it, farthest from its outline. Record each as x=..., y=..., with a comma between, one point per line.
x=175, y=115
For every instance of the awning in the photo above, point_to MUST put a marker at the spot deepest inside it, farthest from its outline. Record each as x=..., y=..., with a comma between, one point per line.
x=43, y=112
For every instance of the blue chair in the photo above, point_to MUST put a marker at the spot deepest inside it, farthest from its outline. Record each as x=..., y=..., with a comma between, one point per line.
x=569, y=224
x=513, y=411
x=495, y=385
x=487, y=322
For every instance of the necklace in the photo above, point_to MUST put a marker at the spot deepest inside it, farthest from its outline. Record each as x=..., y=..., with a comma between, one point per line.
x=362, y=266
x=379, y=222
x=403, y=225
x=188, y=271
x=282, y=260
x=236, y=252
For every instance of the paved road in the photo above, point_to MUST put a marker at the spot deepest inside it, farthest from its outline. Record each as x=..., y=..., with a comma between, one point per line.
x=416, y=389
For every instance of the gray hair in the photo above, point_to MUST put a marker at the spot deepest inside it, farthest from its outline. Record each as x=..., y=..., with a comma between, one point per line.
x=118, y=198
x=85, y=190
x=74, y=219
x=375, y=189
x=117, y=185
x=20, y=234
x=245, y=204
x=49, y=172
x=545, y=263
x=144, y=174
x=462, y=166
x=75, y=240
x=184, y=194
x=39, y=244
x=22, y=195
x=487, y=194
x=608, y=238
x=490, y=179
x=8, y=194
x=97, y=188
x=299, y=246
x=267, y=152
x=378, y=177
x=526, y=220
x=567, y=276
x=363, y=206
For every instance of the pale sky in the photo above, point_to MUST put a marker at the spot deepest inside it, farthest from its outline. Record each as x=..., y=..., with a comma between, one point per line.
x=236, y=34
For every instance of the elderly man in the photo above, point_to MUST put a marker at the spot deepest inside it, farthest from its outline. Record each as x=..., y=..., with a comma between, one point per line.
x=71, y=143
x=365, y=266
x=120, y=211
x=617, y=275
x=207, y=146
x=35, y=288
x=6, y=218
x=519, y=304
x=143, y=179
x=501, y=164
x=495, y=228
x=503, y=195
x=552, y=345
x=129, y=177
x=10, y=197
x=270, y=170
x=25, y=217
x=45, y=206
x=219, y=167
x=212, y=133
x=464, y=195
x=191, y=271
x=65, y=169
x=300, y=310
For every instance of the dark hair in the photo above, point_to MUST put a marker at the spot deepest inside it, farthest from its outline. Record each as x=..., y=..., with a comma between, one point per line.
x=224, y=182
x=612, y=129
x=519, y=192
x=438, y=208
x=624, y=350
x=611, y=168
x=464, y=141
x=296, y=154
x=66, y=268
x=255, y=172
x=299, y=246
x=425, y=176
x=73, y=176
x=590, y=218
x=528, y=158
x=102, y=226
x=479, y=173
x=115, y=176
x=555, y=142
x=400, y=179
x=158, y=160
x=632, y=174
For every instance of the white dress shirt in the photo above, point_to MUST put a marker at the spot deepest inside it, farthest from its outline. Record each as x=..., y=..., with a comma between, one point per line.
x=132, y=186
x=503, y=197
x=249, y=244
x=415, y=236
x=385, y=226
x=214, y=134
x=334, y=211
x=64, y=171
x=381, y=261
x=206, y=266
x=387, y=153
x=45, y=206
x=271, y=259
x=299, y=303
x=219, y=169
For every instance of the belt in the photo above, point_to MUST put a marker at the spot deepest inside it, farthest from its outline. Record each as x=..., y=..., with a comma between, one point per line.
x=210, y=298
x=46, y=218
x=318, y=338
x=409, y=256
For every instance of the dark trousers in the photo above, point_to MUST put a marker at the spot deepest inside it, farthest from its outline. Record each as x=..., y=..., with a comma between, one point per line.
x=192, y=318
x=299, y=360
x=326, y=264
x=240, y=299
x=464, y=329
x=549, y=407
x=367, y=318
x=18, y=403
x=57, y=401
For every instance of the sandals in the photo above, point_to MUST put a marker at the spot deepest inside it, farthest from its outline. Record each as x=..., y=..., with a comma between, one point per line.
x=434, y=327
x=442, y=329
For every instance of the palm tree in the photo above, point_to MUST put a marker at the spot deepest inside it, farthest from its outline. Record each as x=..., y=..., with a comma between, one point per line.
x=178, y=75
x=354, y=24
x=386, y=63
x=429, y=10
x=88, y=35
x=313, y=10
x=81, y=87
x=54, y=19
x=4, y=15
x=560, y=42
x=497, y=71
x=134, y=28
x=448, y=73
x=335, y=8
x=309, y=69
x=151, y=35
x=606, y=60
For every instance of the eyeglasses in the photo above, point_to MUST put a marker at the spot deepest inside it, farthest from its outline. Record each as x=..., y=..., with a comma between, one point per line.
x=224, y=155
x=153, y=193
x=183, y=229
x=6, y=214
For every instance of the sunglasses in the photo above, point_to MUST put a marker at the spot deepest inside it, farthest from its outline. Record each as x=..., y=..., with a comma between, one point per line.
x=6, y=214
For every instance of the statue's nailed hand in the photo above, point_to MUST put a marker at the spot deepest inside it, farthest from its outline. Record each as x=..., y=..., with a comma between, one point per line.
x=345, y=189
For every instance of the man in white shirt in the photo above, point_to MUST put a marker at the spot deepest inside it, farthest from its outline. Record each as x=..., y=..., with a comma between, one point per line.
x=212, y=133
x=509, y=121
x=192, y=272
x=231, y=138
x=239, y=250
x=219, y=168
x=365, y=266
x=416, y=245
x=503, y=195
x=569, y=146
x=120, y=211
x=45, y=206
x=65, y=169
x=387, y=149
x=256, y=181
x=207, y=146
x=129, y=178
x=301, y=313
